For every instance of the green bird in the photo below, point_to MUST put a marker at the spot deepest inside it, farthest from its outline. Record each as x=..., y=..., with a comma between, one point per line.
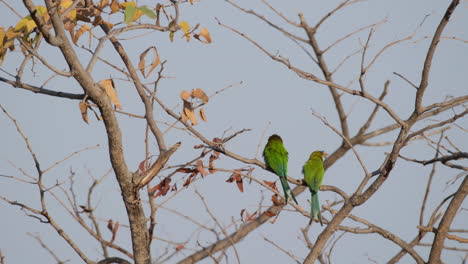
x=313, y=175
x=276, y=160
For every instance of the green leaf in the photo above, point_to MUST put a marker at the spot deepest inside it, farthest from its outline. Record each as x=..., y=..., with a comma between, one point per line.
x=148, y=12
x=129, y=14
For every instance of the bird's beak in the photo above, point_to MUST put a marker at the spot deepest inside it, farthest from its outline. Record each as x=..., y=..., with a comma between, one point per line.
x=325, y=154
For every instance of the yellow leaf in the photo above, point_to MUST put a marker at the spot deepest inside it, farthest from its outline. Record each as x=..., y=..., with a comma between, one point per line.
x=42, y=10
x=186, y=28
x=188, y=110
x=202, y=114
x=115, y=6
x=171, y=36
x=205, y=34
x=108, y=86
x=66, y=3
x=200, y=94
x=84, y=111
x=185, y=95
x=80, y=32
x=26, y=25
x=129, y=3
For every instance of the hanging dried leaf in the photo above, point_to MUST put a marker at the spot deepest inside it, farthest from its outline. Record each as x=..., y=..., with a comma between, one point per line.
x=189, y=180
x=184, y=117
x=205, y=34
x=108, y=86
x=84, y=111
x=200, y=168
x=115, y=6
x=236, y=176
x=80, y=32
x=154, y=63
x=143, y=166
x=199, y=146
x=188, y=110
x=275, y=200
x=162, y=188
x=114, y=231
x=200, y=94
x=110, y=225
x=103, y=4
x=186, y=29
x=211, y=166
x=202, y=114
x=242, y=214
x=184, y=170
x=184, y=95
x=271, y=184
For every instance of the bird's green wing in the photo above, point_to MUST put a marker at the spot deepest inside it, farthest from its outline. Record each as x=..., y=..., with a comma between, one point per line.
x=276, y=158
x=313, y=173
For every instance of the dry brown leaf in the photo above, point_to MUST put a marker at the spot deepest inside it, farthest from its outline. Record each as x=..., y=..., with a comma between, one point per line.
x=202, y=114
x=110, y=225
x=114, y=231
x=184, y=117
x=80, y=32
x=271, y=184
x=103, y=3
x=275, y=200
x=200, y=94
x=97, y=21
x=143, y=166
x=115, y=6
x=184, y=95
x=205, y=34
x=211, y=166
x=84, y=111
x=184, y=170
x=236, y=176
x=108, y=86
x=162, y=188
x=269, y=214
x=200, y=168
x=154, y=63
x=189, y=113
x=189, y=179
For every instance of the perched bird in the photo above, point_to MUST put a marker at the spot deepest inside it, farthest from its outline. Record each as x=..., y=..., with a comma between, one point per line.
x=276, y=160
x=313, y=175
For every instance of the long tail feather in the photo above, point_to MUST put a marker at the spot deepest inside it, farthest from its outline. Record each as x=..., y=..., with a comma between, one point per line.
x=315, y=207
x=287, y=191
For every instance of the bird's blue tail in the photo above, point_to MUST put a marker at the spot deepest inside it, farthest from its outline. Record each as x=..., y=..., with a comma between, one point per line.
x=286, y=189
x=315, y=207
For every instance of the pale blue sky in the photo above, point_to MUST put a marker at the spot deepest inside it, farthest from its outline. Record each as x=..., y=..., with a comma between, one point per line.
x=270, y=93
